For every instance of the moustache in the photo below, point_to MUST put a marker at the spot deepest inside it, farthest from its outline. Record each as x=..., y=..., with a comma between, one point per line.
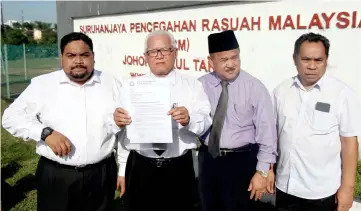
x=230, y=69
x=78, y=66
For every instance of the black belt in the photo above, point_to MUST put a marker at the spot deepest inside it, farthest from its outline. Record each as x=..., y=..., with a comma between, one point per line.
x=77, y=168
x=162, y=162
x=245, y=148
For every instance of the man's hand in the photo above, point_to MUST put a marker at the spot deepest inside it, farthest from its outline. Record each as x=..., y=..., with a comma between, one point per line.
x=344, y=198
x=121, y=185
x=121, y=117
x=257, y=186
x=270, y=181
x=181, y=115
x=58, y=143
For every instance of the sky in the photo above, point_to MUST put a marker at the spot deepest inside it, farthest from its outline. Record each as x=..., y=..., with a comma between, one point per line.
x=33, y=10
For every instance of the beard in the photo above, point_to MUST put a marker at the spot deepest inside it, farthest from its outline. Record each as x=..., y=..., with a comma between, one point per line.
x=78, y=76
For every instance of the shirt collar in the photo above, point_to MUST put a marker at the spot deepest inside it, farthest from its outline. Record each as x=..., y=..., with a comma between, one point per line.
x=95, y=78
x=215, y=80
x=171, y=76
x=318, y=85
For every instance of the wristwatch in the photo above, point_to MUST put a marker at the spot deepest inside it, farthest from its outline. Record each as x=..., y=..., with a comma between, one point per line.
x=46, y=132
x=263, y=173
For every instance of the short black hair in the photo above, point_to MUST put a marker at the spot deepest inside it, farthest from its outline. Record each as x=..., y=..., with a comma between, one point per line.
x=311, y=37
x=74, y=36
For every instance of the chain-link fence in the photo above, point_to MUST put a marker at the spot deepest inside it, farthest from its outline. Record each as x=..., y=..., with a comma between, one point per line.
x=20, y=63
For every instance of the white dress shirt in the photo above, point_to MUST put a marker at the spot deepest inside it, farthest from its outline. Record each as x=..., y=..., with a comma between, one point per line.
x=82, y=113
x=309, y=163
x=185, y=91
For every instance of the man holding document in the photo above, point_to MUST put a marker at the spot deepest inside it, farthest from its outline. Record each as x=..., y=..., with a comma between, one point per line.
x=164, y=112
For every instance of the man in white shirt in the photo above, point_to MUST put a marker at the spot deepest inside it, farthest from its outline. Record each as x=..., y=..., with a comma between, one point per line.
x=68, y=113
x=165, y=179
x=318, y=119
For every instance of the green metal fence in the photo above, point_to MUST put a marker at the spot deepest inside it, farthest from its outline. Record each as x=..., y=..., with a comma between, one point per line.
x=20, y=63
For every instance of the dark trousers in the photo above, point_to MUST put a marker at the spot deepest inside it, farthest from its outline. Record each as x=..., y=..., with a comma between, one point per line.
x=161, y=187
x=287, y=202
x=63, y=188
x=224, y=181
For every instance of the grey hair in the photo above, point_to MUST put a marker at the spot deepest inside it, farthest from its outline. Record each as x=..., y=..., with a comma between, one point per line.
x=160, y=32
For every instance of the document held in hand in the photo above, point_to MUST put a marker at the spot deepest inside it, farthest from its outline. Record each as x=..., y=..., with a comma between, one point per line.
x=147, y=99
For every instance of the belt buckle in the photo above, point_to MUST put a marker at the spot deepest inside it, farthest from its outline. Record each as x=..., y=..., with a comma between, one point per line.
x=79, y=167
x=222, y=153
x=159, y=162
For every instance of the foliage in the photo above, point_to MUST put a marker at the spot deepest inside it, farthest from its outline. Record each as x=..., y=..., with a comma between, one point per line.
x=16, y=37
x=358, y=180
x=23, y=33
x=49, y=37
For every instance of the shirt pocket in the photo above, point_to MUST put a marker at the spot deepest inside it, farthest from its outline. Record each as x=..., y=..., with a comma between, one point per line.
x=323, y=122
x=243, y=113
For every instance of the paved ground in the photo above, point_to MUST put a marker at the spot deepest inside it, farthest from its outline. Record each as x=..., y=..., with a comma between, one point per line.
x=356, y=206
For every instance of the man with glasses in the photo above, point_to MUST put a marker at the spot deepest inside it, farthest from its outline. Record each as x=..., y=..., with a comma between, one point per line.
x=163, y=178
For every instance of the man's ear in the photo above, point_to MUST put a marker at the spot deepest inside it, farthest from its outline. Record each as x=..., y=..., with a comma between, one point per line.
x=61, y=60
x=145, y=57
x=294, y=59
x=210, y=61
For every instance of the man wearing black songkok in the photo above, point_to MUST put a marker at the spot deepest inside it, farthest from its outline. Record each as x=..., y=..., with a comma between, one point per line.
x=238, y=151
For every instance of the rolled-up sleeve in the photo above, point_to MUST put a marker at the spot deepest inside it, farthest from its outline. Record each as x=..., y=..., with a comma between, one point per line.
x=265, y=124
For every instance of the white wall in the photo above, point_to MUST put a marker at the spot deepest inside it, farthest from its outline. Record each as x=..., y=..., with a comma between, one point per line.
x=265, y=53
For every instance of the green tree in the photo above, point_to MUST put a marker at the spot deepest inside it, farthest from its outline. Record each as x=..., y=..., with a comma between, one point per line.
x=16, y=37
x=49, y=36
x=17, y=25
x=4, y=30
x=23, y=33
x=42, y=25
x=28, y=26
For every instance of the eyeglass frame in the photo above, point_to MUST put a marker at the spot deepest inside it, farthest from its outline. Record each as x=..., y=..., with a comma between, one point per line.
x=159, y=51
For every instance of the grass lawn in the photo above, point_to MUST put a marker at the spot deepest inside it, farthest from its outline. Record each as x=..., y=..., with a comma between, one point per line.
x=37, y=63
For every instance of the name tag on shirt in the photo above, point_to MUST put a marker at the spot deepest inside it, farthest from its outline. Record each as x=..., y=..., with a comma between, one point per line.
x=324, y=107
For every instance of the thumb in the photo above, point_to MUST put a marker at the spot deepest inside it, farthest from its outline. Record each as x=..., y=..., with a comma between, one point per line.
x=122, y=190
x=339, y=208
x=118, y=184
x=250, y=186
x=269, y=186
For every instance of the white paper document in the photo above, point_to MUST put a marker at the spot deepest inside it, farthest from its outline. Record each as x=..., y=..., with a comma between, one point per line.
x=148, y=101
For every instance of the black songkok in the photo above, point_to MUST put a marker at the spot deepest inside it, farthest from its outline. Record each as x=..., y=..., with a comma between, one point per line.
x=222, y=41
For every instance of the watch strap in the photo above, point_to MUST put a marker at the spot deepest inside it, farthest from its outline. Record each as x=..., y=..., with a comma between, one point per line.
x=47, y=131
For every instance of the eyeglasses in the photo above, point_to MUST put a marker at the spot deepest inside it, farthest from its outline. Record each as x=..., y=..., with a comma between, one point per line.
x=163, y=51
